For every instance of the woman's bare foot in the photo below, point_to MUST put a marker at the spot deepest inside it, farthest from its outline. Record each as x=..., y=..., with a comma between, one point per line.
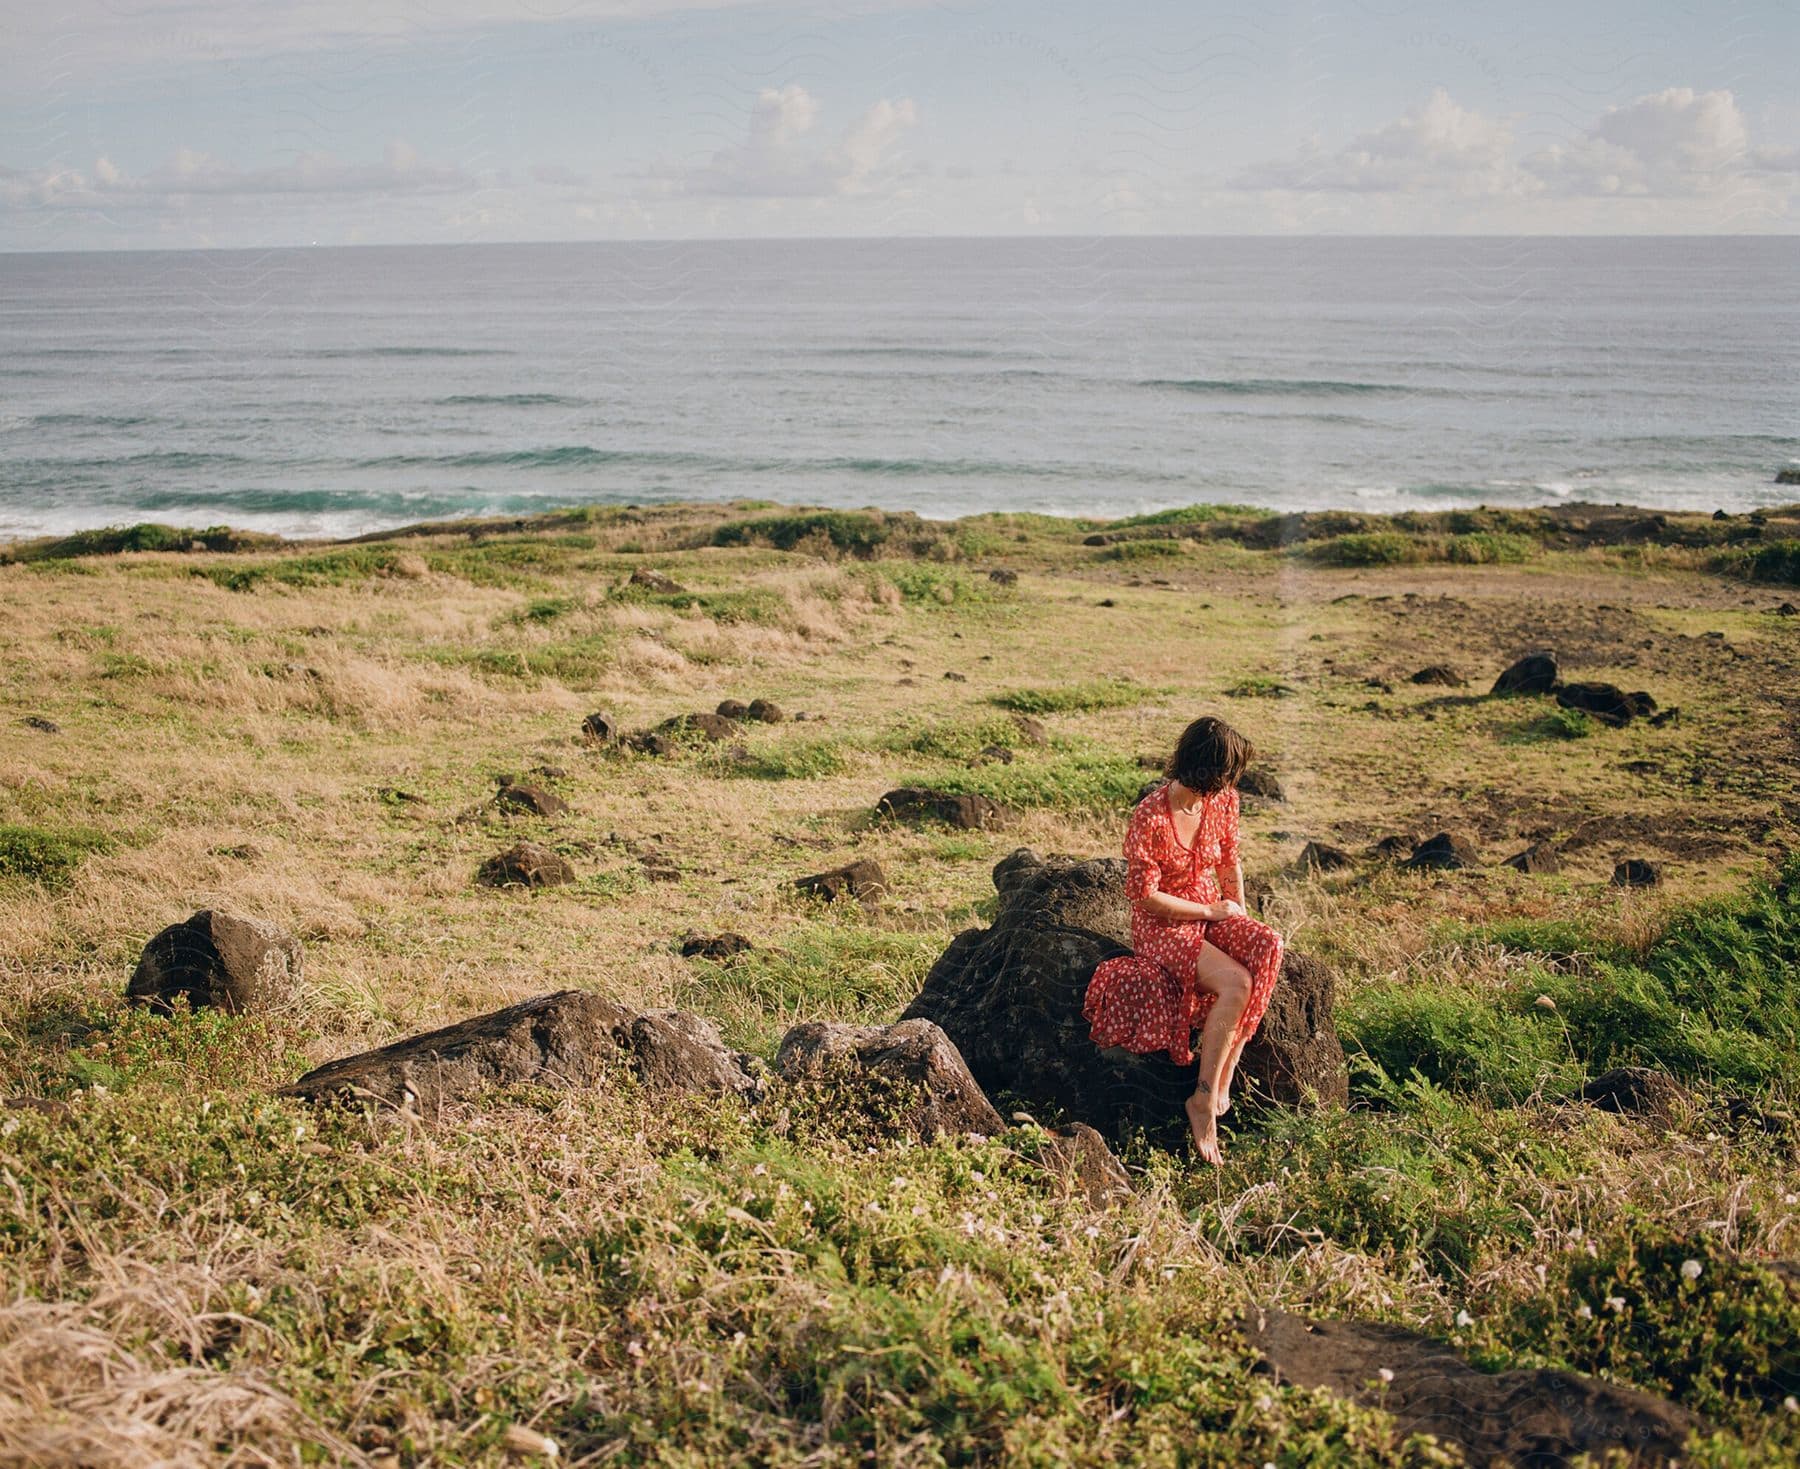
x=1204, y=1124
x=1224, y=1103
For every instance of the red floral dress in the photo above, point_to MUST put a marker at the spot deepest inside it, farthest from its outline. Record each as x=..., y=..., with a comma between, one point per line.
x=1150, y=1001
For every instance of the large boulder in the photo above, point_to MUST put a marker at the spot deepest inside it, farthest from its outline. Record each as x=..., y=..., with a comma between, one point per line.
x=219, y=960
x=1079, y=1158
x=862, y=879
x=526, y=864
x=921, y=1085
x=1445, y=852
x=1010, y=996
x=1536, y=1416
x=567, y=1039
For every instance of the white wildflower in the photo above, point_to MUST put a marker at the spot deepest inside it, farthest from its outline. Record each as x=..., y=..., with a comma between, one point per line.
x=1584, y=1312
x=9, y=1127
x=1791, y=1403
x=873, y=1206
x=1386, y=1374
x=1093, y=1231
x=806, y=1206
x=759, y=1170
x=299, y=1131
x=1690, y=1269
x=1615, y=1303
x=635, y=1348
x=920, y=1211
x=1463, y=1318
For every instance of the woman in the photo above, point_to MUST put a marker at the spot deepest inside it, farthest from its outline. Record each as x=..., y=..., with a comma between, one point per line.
x=1200, y=958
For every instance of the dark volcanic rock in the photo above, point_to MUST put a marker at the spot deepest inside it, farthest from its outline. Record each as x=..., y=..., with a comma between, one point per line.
x=863, y=880
x=765, y=711
x=43, y=1106
x=1441, y=853
x=1538, y=857
x=1525, y=1417
x=1031, y=730
x=41, y=724
x=1671, y=715
x=1080, y=1157
x=732, y=709
x=712, y=727
x=1003, y=576
x=1606, y=702
x=921, y=1081
x=1010, y=997
x=1535, y=673
x=1259, y=783
x=1440, y=675
x=1635, y=872
x=1322, y=857
x=529, y=864
x=601, y=728
x=1634, y=1089
x=655, y=581
x=221, y=960
x=567, y=1039
x=534, y=800
x=1393, y=848
x=998, y=754
x=969, y=813
x=652, y=743
x=1788, y=476
x=713, y=945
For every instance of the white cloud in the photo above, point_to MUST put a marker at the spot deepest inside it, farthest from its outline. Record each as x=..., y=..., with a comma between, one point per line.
x=1439, y=146
x=190, y=173
x=1673, y=143
x=777, y=159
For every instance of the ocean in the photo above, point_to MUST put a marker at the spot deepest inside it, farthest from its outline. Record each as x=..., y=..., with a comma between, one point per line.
x=337, y=391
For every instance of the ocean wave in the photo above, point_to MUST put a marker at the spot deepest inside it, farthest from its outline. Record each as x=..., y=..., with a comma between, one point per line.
x=1274, y=386
x=509, y=400
x=407, y=352
x=88, y=420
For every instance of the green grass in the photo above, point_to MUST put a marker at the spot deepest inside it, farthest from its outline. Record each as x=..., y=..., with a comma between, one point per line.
x=145, y=536
x=323, y=569
x=860, y=533
x=1071, y=777
x=1557, y=724
x=1190, y=515
x=1364, y=548
x=1490, y=548
x=1076, y=698
x=953, y=739
x=47, y=855
x=789, y=760
x=573, y=661
x=1158, y=550
x=1714, y=1001
x=927, y=584
x=1777, y=562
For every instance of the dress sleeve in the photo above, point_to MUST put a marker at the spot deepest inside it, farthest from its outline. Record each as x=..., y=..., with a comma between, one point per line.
x=1228, y=836
x=1143, y=870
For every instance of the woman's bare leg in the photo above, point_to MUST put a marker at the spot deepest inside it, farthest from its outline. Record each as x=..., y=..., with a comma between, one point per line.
x=1229, y=981
x=1232, y=1057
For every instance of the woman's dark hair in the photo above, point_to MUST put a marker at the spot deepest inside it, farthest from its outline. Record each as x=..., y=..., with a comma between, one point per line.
x=1209, y=756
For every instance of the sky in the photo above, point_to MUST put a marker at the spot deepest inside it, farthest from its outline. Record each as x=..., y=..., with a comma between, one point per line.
x=145, y=124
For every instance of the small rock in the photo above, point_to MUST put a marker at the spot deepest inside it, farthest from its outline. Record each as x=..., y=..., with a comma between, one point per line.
x=716, y=946
x=732, y=709
x=1606, y=702
x=1635, y=872
x=1081, y=1158
x=1671, y=715
x=1539, y=857
x=600, y=728
x=1380, y=685
x=532, y=799
x=45, y=1106
x=965, y=812
x=1634, y=1090
x=653, y=743
x=1441, y=675
x=998, y=754
x=1786, y=609
x=1535, y=673
x=954, y=677
x=529, y=864
x=1002, y=576
x=1108, y=602
x=1393, y=848
x=219, y=960
x=913, y=1057
x=1261, y=784
x=863, y=880
x=1442, y=853
x=550, y=772
x=1031, y=731
x=41, y=724
x=1322, y=857
x=765, y=711
x=1788, y=476
x=709, y=727
x=655, y=581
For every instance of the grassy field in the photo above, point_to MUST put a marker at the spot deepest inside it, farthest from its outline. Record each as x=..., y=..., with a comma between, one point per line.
x=196, y=1272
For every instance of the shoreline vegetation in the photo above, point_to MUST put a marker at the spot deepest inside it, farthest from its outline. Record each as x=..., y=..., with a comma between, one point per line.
x=1562, y=923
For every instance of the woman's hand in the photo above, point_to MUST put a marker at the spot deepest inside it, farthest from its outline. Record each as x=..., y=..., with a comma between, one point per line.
x=1223, y=909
